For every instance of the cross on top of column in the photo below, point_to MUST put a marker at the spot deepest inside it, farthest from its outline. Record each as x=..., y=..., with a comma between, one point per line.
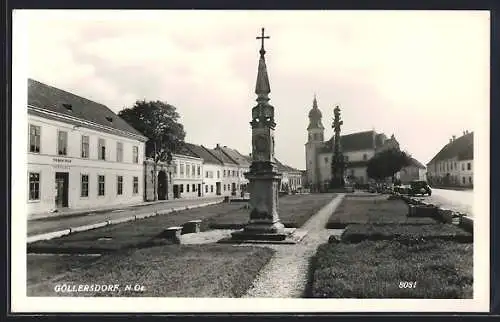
x=262, y=37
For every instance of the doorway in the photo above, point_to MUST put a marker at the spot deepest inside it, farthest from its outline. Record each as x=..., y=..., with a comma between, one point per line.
x=162, y=185
x=176, y=191
x=199, y=190
x=62, y=180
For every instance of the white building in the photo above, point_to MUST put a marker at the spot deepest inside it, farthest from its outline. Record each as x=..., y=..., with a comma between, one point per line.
x=243, y=166
x=453, y=165
x=416, y=171
x=80, y=154
x=212, y=170
x=357, y=149
x=187, y=176
x=229, y=172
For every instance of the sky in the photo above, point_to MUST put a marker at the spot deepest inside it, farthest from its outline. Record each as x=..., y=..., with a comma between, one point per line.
x=420, y=75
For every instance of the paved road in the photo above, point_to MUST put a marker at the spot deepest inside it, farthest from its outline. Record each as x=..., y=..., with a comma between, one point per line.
x=53, y=224
x=457, y=200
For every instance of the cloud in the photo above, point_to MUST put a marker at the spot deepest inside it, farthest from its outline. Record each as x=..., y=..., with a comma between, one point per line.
x=414, y=74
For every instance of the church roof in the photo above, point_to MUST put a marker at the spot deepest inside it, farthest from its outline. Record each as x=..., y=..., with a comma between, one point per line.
x=356, y=141
x=462, y=148
x=53, y=99
x=315, y=116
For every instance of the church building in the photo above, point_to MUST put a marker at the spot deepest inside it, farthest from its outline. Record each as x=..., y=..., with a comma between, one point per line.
x=357, y=149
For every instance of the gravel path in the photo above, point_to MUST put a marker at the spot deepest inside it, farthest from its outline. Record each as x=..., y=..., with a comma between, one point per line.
x=285, y=276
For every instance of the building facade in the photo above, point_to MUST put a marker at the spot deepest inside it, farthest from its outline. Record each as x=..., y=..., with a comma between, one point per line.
x=187, y=174
x=357, y=148
x=80, y=154
x=416, y=171
x=453, y=165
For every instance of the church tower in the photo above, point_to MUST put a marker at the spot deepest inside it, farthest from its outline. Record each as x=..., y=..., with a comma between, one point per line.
x=315, y=138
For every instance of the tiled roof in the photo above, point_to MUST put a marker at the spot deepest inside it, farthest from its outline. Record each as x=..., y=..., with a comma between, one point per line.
x=355, y=141
x=462, y=148
x=54, y=99
x=203, y=153
x=285, y=168
x=184, y=149
x=417, y=164
x=236, y=156
x=222, y=156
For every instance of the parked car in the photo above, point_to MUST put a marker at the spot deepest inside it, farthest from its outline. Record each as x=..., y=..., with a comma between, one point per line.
x=420, y=188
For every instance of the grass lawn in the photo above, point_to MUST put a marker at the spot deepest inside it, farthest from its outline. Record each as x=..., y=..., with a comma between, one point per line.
x=132, y=234
x=405, y=233
x=294, y=211
x=41, y=267
x=376, y=210
x=211, y=270
x=374, y=269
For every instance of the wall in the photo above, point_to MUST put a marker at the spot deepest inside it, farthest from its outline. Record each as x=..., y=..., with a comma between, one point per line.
x=47, y=163
x=188, y=177
x=212, y=180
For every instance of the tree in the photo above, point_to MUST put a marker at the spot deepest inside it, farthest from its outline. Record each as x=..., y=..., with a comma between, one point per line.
x=386, y=163
x=159, y=122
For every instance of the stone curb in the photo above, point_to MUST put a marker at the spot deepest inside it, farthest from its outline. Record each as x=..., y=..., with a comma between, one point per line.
x=445, y=215
x=60, y=233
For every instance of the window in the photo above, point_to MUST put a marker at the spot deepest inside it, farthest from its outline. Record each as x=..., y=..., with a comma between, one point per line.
x=194, y=187
x=224, y=187
x=135, y=154
x=187, y=187
x=193, y=170
x=206, y=189
x=119, y=185
x=224, y=173
x=199, y=171
x=468, y=166
x=136, y=185
x=182, y=169
x=119, y=152
x=62, y=142
x=326, y=159
x=84, y=185
x=34, y=186
x=455, y=165
x=463, y=168
x=365, y=157
x=100, y=186
x=470, y=180
x=218, y=174
x=102, y=149
x=85, y=146
x=346, y=158
x=211, y=188
x=206, y=174
x=463, y=180
x=34, y=139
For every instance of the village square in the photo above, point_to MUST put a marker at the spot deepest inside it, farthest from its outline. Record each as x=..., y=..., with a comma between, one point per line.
x=125, y=203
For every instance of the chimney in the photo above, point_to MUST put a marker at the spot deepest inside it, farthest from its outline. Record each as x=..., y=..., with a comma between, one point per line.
x=466, y=131
x=217, y=146
x=451, y=140
x=454, y=137
x=463, y=133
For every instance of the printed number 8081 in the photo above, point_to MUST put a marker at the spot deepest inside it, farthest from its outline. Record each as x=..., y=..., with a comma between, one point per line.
x=407, y=284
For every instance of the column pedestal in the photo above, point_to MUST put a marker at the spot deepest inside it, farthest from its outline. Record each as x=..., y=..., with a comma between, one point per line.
x=264, y=223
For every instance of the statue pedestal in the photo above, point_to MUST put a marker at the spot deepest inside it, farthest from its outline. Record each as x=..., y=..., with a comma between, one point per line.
x=264, y=223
